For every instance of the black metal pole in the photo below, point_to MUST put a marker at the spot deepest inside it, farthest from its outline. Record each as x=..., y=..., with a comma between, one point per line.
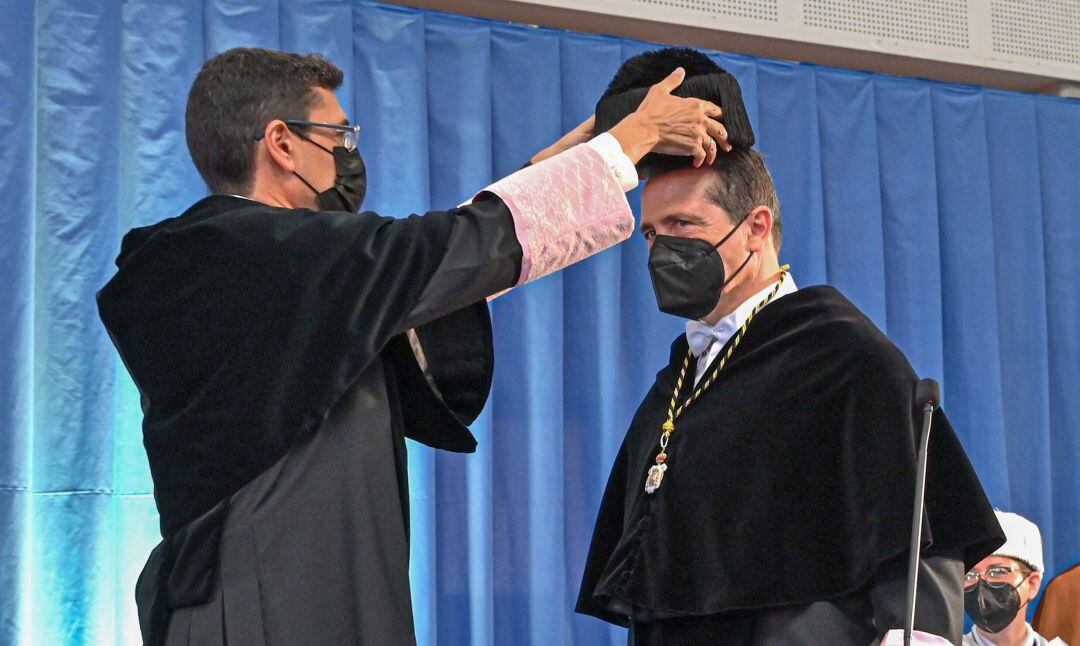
x=916, y=522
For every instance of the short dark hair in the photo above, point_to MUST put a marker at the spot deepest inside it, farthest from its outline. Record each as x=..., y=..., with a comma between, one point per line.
x=741, y=183
x=235, y=95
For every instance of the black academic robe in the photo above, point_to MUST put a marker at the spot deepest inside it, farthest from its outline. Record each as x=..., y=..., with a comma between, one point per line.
x=789, y=482
x=270, y=350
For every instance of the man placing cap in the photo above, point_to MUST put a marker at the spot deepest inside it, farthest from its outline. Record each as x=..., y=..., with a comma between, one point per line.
x=285, y=345
x=999, y=588
x=762, y=493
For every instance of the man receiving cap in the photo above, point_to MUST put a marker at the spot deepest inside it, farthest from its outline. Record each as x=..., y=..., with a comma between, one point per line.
x=999, y=588
x=762, y=493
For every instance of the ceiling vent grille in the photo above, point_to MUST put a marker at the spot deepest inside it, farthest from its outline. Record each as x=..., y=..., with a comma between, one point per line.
x=753, y=9
x=1036, y=38
x=933, y=22
x=1037, y=29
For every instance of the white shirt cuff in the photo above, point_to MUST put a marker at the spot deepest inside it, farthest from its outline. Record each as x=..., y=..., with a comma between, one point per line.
x=617, y=162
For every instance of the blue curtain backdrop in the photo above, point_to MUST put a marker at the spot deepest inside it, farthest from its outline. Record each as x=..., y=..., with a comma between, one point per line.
x=948, y=213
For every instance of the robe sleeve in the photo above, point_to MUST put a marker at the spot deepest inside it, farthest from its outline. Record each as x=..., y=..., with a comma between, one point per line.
x=451, y=353
x=443, y=372
x=565, y=209
x=403, y=273
x=939, y=602
x=381, y=277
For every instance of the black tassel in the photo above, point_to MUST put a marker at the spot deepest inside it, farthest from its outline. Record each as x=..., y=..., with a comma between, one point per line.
x=736, y=119
x=610, y=110
x=722, y=89
x=704, y=80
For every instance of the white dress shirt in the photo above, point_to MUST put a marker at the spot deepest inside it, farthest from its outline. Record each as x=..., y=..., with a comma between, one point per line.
x=1032, y=638
x=706, y=340
x=619, y=164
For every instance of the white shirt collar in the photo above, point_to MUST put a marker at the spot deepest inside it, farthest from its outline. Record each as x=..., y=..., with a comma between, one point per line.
x=726, y=327
x=1028, y=640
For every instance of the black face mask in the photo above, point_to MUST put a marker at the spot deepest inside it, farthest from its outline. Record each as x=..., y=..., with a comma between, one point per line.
x=688, y=274
x=992, y=609
x=350, y=182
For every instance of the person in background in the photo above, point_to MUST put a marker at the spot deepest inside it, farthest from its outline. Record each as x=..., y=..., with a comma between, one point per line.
x=999, y=588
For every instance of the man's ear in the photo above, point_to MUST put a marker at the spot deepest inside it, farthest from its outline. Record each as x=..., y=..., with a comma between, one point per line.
x=759, y=223
x=280, y=144
x=1034, y=583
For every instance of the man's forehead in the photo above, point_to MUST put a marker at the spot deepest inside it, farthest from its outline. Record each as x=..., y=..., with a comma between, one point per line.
x=992, y=561
x=681, y=191
x=677, y=185
x=682, y=178
x=327, y=108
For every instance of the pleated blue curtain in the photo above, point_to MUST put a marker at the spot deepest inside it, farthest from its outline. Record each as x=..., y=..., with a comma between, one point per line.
x=948, y=213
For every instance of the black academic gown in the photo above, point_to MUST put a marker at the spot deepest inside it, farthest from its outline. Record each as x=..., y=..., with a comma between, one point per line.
x=278, y=381
x=787, y=493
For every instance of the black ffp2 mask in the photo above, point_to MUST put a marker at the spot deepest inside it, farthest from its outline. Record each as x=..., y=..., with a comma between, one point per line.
x=991, y=608
x=688, y=274
x=350, y=181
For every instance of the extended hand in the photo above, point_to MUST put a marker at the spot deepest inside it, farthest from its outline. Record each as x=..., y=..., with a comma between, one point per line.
x=673, y=125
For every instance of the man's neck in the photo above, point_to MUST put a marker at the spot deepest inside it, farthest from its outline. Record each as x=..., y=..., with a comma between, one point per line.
x=273, y=193
x=268, y=198
x=767, y=274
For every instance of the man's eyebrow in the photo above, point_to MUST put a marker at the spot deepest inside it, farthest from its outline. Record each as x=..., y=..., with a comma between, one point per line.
x=682, y=215
x=344, y=122
x=677, y=215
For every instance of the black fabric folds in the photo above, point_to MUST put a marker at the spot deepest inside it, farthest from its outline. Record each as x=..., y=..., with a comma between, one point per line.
x=790, y=481
x=180, y=572
x=438, y=403
x=243, y=324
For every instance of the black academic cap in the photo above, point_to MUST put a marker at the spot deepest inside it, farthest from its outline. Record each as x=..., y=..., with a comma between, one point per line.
x=704, y=80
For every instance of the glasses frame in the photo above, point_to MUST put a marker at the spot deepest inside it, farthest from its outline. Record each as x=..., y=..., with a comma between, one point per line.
x=996, y=584
x=350, y=141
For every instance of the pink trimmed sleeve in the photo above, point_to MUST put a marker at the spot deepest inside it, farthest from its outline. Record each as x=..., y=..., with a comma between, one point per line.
x=565, y=209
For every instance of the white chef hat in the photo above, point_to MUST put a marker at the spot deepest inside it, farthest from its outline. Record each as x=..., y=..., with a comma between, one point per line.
x=1023, y=541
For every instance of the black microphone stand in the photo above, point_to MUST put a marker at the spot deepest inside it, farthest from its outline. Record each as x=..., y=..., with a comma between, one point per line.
x=927, y=394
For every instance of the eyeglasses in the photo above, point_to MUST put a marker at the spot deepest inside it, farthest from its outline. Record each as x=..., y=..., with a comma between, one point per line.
x=995, y=575
x=350, y=137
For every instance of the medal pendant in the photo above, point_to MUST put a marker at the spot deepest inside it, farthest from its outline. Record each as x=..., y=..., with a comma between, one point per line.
x=655, y=477
x=656, y=474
